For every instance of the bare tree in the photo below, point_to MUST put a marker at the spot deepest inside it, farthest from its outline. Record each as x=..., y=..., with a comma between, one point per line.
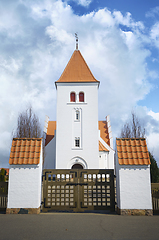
x=28, y=125
x=133, y=128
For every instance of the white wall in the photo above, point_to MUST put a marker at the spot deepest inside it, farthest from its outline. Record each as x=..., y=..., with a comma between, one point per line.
x=103, y=160
x=25, y=186
x=133, y=187
x=111, y=159
x=88, y=151
x=50, y=155
x=106, y=159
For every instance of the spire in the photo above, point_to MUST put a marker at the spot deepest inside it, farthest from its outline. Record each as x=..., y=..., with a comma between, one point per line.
x=76, y=36
x=77, y=70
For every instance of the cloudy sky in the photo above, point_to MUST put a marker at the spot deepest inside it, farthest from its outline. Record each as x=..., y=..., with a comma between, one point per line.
x=118, y=39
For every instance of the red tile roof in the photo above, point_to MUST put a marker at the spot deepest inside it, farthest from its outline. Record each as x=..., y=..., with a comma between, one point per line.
x=102, y=125
x=102, y=148
x=132, y=151
x=25, y=151
x=50, y=131
x=77, y=70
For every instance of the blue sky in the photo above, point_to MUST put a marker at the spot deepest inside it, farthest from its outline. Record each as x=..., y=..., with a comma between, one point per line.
x=137, y=8
x=119, y=41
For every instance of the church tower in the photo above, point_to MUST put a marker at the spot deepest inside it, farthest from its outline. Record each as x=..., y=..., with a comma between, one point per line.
x=77, y=116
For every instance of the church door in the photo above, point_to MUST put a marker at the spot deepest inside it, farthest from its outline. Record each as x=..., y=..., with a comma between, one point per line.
x=77, y=166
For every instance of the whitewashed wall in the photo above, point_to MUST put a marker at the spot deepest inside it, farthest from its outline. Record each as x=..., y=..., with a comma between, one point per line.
x=65, y=151
x=106, y=159
x=103, y=160
x=25, y=186
x=50, y=154
x=133, y=186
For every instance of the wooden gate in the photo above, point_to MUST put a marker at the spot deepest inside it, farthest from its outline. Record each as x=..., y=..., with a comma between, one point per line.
x=3, y=194
x=155, y=197
x=78, y=190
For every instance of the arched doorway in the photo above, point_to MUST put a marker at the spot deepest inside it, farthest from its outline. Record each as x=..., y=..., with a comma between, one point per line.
x=77, y=166
x=77, y=163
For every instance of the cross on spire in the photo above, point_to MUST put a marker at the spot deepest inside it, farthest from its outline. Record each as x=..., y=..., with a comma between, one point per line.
x=76, y=36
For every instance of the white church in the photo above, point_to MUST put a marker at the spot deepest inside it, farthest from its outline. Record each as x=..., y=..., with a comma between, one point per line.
x=77, y=140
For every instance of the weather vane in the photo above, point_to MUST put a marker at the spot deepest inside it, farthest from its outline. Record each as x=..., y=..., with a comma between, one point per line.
x=76, y=36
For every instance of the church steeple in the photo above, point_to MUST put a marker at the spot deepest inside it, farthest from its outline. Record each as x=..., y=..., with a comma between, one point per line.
x=77, y=70
x=77, y=115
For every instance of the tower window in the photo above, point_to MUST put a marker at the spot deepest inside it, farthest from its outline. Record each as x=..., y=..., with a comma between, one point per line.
x=72, y=97
x=77, y=142
x=77, y=115
x=81, y=97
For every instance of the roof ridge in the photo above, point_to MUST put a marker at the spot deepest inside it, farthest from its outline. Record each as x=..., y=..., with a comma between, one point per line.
x=132, y=138
x=27, y=138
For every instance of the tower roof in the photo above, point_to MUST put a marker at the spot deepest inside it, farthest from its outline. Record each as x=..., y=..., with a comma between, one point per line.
x=77, y=70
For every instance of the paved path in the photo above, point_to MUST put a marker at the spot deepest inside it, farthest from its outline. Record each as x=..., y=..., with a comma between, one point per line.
x=81, y=226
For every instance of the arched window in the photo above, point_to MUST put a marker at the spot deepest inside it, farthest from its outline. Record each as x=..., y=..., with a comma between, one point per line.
x=81, y=97
x=77, y=117
x=72, y=97
x=77, y=142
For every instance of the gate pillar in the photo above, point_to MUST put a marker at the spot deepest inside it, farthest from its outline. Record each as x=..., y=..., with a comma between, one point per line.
x=24, y=190
x=133, y=182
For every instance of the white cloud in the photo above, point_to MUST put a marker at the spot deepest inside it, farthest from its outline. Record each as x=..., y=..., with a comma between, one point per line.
x=153, y=75
x=154, y=115
x=33, y=58
x=153, y=11
x=84, y=3
x=150, y=120
x=127, y=20
x=103, y=18
x=154, y=34
x=153, y=143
